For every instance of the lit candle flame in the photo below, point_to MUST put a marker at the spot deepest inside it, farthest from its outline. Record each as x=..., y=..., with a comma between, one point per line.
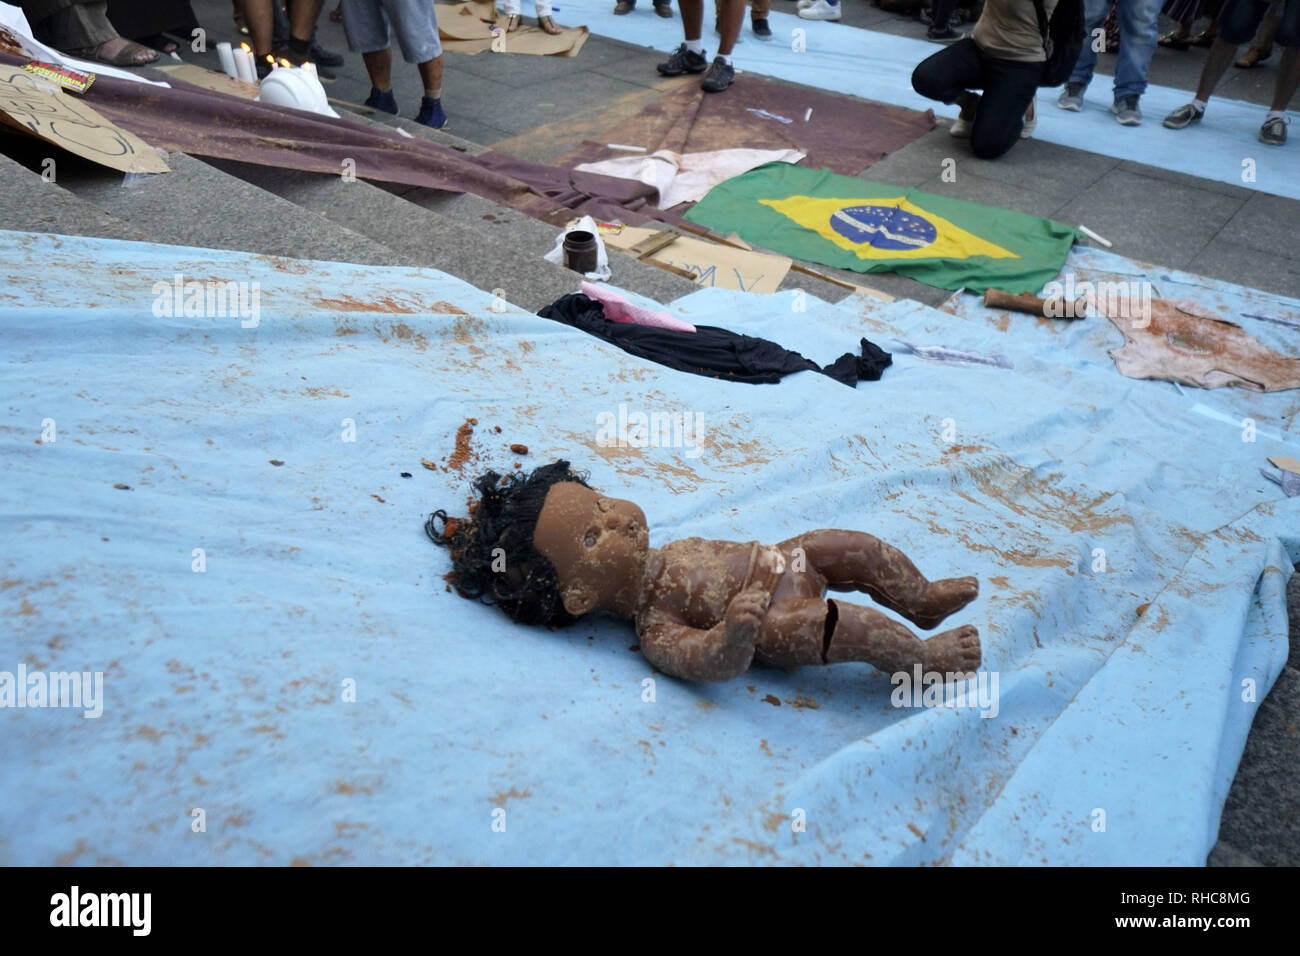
x=246, y=48
x=284, y=62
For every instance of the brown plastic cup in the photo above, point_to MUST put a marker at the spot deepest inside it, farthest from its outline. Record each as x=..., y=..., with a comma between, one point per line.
x=580, y=251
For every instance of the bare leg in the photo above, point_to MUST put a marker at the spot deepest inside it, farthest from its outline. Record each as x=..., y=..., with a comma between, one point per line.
x=854, y=561
x=1222, y=53
x=302, y=18
x=1288, y=76
x=380, y=67
x=731, y=19
x=431, y=73
x=692, y=18
x=864, y=634
x=257, y=14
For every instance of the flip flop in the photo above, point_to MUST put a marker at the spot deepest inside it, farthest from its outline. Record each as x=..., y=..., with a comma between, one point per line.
x=549, y=26
x=1175, y=40
x=1205, y=38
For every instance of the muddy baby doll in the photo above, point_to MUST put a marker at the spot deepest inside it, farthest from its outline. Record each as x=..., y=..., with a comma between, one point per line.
x=547, y=549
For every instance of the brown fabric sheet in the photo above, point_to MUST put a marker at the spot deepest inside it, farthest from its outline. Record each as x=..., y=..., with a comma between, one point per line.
x=1179, y=346
x=201, y=122
x=844, y=134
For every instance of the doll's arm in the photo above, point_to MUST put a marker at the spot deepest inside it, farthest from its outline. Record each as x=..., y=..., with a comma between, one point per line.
x=720, y=653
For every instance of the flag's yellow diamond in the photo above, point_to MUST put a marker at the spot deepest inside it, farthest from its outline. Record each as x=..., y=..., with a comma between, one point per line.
x=885, y=228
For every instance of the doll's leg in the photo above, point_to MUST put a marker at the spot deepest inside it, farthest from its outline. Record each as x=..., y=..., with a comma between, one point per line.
x=854, y=561
x=799, y=632
x=864, y=634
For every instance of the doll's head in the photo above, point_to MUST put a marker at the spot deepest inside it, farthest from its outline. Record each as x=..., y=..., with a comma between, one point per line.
x=492, y=553
x=546, y=547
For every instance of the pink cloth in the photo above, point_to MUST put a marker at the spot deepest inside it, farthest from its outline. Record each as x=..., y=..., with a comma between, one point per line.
x=618, y=309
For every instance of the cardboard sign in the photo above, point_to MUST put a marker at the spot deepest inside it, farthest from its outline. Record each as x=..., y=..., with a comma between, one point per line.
x=37, y=106
x=211, y=80
x=475, y=28
x=709, y=264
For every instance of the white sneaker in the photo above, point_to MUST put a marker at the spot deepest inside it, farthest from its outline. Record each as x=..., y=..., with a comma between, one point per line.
x=805, y=4
x=1031, y=124
x=960, y=128
x=820, y=10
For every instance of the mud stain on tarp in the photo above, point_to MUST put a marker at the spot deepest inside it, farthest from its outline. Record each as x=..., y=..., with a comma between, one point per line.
x=387, y=304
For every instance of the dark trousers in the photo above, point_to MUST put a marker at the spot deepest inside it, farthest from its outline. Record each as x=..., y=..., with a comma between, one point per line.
x=1009, y=87
x=940, y=13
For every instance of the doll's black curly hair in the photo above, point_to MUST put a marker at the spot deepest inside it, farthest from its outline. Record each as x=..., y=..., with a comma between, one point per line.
x=504, y=518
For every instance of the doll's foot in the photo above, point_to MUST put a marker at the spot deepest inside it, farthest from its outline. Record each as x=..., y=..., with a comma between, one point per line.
x=943, y=598
x=955, y=651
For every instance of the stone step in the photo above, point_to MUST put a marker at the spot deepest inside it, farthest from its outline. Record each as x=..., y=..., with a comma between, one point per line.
x=425, y=238
x=28, y=203
x=198, y=205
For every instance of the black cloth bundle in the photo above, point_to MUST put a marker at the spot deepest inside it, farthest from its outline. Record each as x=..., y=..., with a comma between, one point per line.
x=712, y=351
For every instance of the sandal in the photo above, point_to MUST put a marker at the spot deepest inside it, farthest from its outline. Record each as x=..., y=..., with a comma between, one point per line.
x=549, y=26
x=129, y=55
x=1176, y=39
x=1254, y=57
x=1206, y=37
x=512, y=23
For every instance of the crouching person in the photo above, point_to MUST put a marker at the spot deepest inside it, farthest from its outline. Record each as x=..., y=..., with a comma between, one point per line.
x=1003, y=57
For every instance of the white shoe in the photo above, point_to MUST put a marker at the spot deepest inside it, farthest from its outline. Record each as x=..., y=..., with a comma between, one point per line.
x=805, y=4
x=1031, y=124
x=960, y=128
x=820, y=10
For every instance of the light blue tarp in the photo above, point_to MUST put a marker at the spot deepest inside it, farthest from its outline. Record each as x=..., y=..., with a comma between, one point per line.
x=224, y=689
x=878, y=66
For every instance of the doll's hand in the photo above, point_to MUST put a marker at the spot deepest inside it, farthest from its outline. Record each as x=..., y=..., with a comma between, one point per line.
x=744, y=614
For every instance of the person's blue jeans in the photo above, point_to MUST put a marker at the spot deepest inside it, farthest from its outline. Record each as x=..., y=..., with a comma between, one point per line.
x=1138, y=32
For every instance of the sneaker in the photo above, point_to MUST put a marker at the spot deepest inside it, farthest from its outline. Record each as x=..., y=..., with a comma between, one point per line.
x=944, y=36
x=323, y=57
x=805, y=4
x=1184, y=116
x=1273, y=131
x=761, y=29
x=1071, y=97
x=683, y=61
x=1126, y=111
x=664, y=10
x=624, y=6
x=431, y=113
x=820, y=10
x=382, y=101
x=720, y=77
x=961, y=127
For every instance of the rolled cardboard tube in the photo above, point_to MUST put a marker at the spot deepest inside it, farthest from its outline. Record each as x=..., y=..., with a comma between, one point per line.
x=1032, y=305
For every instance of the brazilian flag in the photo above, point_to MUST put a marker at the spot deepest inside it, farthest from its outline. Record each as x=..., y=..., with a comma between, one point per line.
x=814, y=215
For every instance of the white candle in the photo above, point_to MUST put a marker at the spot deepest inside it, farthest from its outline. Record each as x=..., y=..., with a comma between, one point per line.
x=227, y=60
x=244, y=66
